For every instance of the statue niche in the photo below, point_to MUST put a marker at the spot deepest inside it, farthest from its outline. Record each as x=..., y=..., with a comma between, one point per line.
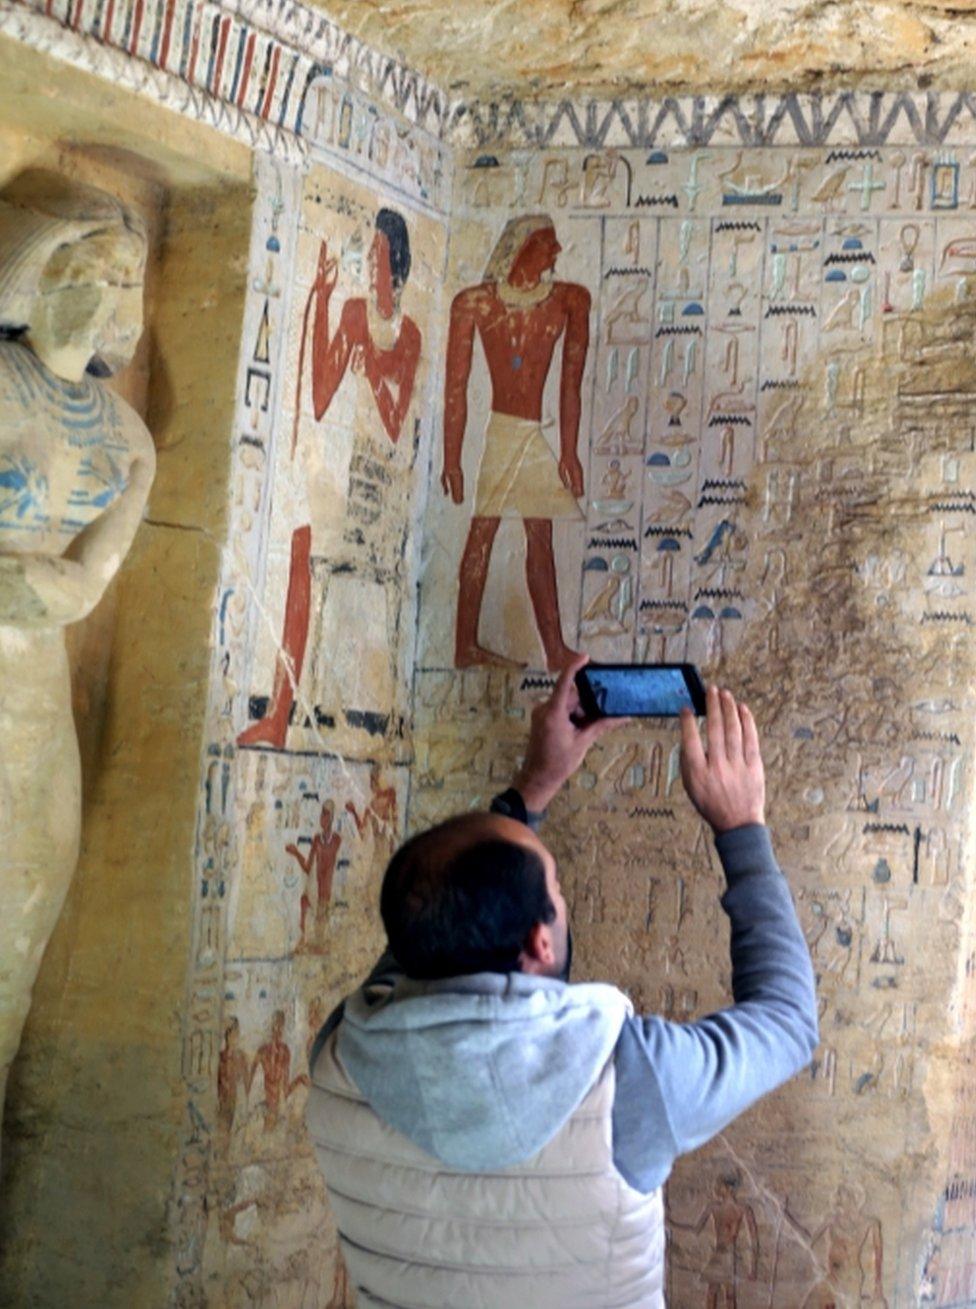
x=76, y=465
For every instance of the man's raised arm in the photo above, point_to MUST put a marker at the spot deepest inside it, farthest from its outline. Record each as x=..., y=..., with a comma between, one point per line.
x=678, y=1084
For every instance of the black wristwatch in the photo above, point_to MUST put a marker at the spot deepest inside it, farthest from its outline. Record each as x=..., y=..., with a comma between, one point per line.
x=511, y=804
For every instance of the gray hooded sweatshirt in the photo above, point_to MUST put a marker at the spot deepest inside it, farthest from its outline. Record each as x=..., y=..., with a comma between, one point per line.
x=482, y=1071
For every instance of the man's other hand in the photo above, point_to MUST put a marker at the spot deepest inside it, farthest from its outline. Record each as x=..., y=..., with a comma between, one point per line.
x=452, y=482
x=571, y=473
x=727, y=785
x=558, y=740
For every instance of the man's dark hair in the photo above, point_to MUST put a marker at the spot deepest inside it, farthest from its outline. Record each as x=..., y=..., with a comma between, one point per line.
x=451, y=909
x=394, y=228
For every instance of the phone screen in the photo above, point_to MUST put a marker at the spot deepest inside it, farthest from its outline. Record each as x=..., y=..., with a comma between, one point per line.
x=639, y=691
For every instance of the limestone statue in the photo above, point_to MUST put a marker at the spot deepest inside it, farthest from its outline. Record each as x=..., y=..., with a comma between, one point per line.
x=76, y=465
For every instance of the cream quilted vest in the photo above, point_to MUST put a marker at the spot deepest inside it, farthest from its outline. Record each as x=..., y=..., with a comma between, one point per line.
x=561, y=1231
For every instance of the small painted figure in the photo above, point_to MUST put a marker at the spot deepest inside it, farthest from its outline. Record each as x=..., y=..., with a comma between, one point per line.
x=849, y=1231
x=727, y=1214
x=319, y=867
x=380, y=814
x=233, y=1071
x=274, y=1060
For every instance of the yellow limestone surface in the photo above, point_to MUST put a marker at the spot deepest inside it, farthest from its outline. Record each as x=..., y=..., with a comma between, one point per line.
x=550, y=48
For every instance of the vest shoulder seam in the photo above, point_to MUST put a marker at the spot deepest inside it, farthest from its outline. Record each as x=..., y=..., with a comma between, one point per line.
x=441, y=1170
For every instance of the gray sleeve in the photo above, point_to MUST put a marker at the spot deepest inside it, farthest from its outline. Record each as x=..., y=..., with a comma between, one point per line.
x=678, y=1084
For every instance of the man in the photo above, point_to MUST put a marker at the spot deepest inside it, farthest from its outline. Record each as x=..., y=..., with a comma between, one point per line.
x=493, y=1136
x=520, y=313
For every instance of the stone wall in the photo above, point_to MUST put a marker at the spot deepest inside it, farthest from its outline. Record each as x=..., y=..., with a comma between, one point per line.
x=777, y=452
x=576, y=48
x=777, y=460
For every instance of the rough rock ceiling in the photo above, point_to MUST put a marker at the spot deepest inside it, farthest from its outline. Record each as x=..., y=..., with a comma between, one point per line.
x=545, y=49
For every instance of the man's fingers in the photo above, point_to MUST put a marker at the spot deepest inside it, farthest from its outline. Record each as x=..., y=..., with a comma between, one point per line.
x=573, y=702
x=714, y=723
x=750, y=736
x=732, y=726
x=565, y=683
x=600, y=728
x=692, y=750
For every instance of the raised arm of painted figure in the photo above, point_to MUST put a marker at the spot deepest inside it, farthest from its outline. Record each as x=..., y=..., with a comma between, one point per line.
x=360, y=822
x=38, y=590
x=575, y=345
x=457, y=370
x=304, y=864
x=330, y=356
x=302, y=1079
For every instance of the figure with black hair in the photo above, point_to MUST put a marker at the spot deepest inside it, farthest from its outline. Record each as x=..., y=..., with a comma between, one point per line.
x=376, y=339
x=492, y=1134
x=372, y=335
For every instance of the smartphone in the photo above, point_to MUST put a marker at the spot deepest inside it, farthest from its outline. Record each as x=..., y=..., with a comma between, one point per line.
x=640, y=690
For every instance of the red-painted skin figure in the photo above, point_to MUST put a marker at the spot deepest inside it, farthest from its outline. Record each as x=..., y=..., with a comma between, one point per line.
x=390, y=373
x=519, y=343
x=274, y=1060
x=233, y=1070
x=321, y=861
x=381, y=812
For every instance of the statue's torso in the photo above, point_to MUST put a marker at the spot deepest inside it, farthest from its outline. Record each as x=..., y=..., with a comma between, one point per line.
x=65, y=452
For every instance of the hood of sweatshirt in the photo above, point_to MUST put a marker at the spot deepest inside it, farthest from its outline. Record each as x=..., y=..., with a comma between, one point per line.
x=482, y=1071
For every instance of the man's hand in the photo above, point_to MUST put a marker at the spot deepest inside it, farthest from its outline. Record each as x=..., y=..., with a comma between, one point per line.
x=728, y=785
x=327, y=272
x=452, y=482
x=571, y=473
x=558, y=741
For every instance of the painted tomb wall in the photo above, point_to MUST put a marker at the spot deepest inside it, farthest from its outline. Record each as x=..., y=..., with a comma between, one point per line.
x=308, y=743
x=763, y=337
x=775, y=450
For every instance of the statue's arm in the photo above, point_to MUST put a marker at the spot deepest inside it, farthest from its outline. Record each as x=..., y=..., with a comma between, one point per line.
x=38, y=590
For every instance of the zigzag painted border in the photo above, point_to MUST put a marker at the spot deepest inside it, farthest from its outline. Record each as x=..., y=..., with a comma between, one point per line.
x=862, y=118
x=256, y=61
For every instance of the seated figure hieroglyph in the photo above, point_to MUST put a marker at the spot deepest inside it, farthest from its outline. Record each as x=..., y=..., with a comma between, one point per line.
x=76, y=465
